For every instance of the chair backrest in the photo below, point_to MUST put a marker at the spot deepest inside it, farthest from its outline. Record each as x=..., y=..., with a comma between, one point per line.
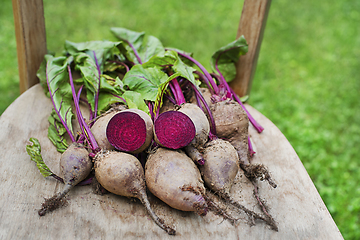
x=31, y=41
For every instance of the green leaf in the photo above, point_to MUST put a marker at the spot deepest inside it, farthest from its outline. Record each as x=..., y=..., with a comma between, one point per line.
x=159, y=60
x=91, y=74
x=34, y=151
x=104, y=50
x=171, y=58
x=90, y=58
x=145, y=81
x=105, y=100
x=135, y=100
x=226, y=57
x=243, y=99
x=135, y=38
x=112, y=85
x=130, y=38
x=150, y=47
x=60, y=89
x=185, y=60
x=145, y=46
x=89, y=71
x=56, y=133
x=185, y=71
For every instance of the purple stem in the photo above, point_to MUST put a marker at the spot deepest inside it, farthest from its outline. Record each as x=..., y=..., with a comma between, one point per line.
x=57, y=111
x=251, y=150
x=135, y=52
x=203, y=79
x=123, y=64
x=179, y=96
x=84, y=127
x=151, y=109
x=222, y=79
x=98, y=90
x=202, y=68
x=212, y=121
x=172, y=100
x=85, y=182
x=256, y=125
x=57, y=177
x=172, y=89
x=122, y=99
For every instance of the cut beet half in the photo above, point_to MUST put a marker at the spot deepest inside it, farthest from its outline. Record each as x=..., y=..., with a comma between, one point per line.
x=126, y=131
x=174, y=129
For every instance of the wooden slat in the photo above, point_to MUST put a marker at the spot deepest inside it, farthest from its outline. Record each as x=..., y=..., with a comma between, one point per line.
x=30, y=39
x=252, y=25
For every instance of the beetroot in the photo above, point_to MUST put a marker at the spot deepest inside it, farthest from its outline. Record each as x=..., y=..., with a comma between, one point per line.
x=202, y=127
x=220, y=167
x=75, y=166
x=122, y=174
x=130, y=131
x=174, y=178
x=219, y=171
x=75, y=162
x=232, y=124
x=168, y=172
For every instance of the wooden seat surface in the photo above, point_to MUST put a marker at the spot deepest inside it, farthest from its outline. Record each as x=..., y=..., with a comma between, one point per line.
x=295, y=204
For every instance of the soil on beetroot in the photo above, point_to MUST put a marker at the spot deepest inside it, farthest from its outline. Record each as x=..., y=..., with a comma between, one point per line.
x=51, y=204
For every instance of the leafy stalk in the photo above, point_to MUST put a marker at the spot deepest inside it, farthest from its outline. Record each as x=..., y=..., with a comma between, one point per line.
x=142, y=47
x=59, y=94
x=34, y=151
x=83, y=125
x=135, y=52
x=227, y=56
x=98, y=87
x=210, y=80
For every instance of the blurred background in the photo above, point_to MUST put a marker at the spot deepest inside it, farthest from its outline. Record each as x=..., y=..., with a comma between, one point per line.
x=307, y=81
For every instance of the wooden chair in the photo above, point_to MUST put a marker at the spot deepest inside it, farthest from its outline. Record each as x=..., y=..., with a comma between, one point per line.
x=295, y=204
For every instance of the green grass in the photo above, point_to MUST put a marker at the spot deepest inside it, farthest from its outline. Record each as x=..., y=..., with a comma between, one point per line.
x=307, y=81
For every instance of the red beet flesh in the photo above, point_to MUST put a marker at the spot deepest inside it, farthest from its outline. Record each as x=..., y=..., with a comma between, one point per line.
x=174, y=129
x=126, y=131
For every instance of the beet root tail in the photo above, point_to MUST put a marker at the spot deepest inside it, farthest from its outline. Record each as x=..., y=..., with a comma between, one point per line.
x=144, y=200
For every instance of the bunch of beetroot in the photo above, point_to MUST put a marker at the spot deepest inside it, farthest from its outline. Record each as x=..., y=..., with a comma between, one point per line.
x=158, y=120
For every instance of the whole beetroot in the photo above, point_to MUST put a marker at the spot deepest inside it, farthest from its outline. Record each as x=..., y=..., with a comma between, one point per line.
x=122, y=174
x=232, y=124
x=219, y=171
x=75, y=166
x=168, y=172
x=220, y=167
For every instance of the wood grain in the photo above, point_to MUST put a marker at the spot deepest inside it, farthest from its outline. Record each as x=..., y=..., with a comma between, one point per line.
x=295, y=204
x=30, y=39
x=252, y=26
